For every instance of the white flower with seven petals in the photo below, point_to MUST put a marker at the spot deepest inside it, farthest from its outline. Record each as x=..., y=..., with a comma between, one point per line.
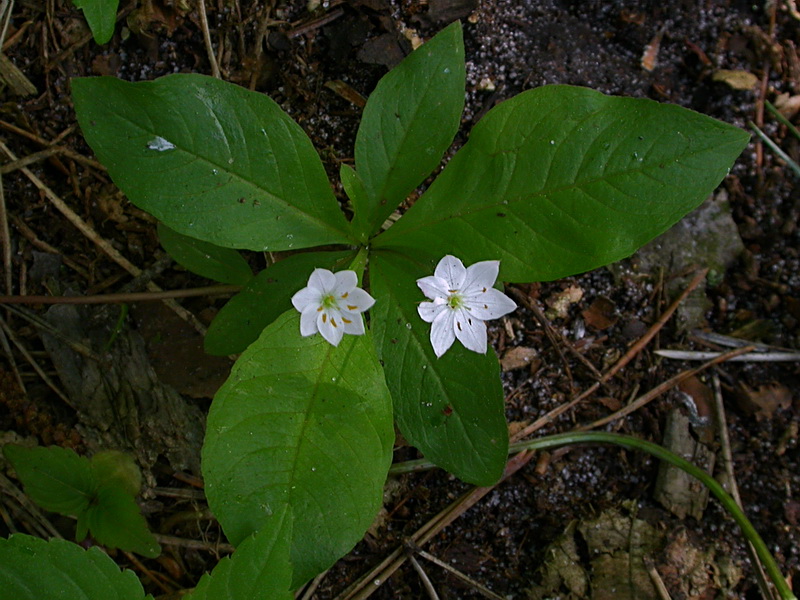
x=463, y=298
x=331, y=304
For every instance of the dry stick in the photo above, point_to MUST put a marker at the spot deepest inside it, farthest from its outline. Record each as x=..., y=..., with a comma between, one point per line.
x=5, y=15
x=46, y=378
x=61, y=149
x=30, y=159
x=201, y=5
x=655, y=578
x=426, y=582
x=368, y=583
x=661, y=388
x=6, y=233
x=31, y=236
x=48, y=328
x=629, y=356
x=44, y=527
x=727, y=461
x=312, y=587
x=453, y=571
x=315, y=24
x=155, y=578
x=211, y=290
x=105, y=246
x=10, y=355
x=171, y=540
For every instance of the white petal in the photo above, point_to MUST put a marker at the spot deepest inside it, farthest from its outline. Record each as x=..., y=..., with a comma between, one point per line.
x=433, y=287
x=428, y=311
x=345, y=281
x=442, y=333
x=305, y=297
x=356, y=300
x=481, y=275
x=353, y=323
x=452, y=271
x=330, y=325
x=308, y=320
x=490, y=304
x=322, y=280
x=470, y=331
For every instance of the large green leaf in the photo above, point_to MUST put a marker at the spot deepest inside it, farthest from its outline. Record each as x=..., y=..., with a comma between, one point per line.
x=101, y=15
x=212, y=160
x=264, y=299
x=304, y=424
x=451, y=408
x=409, y=121
x=204, y=258
x=35, y=569
x=258, y=570
x=560, y=180
x=55, y=478
x=100, y=493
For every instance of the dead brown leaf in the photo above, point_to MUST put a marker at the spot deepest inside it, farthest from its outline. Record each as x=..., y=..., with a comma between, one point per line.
x=518, y=358
x=601, y=314
x=763, y=401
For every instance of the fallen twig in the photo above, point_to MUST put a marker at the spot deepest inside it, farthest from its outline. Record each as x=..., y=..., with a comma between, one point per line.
x=749, y=357
x=211, y=290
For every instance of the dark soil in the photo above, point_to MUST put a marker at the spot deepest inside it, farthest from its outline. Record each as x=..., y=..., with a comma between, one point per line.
x=511, y=45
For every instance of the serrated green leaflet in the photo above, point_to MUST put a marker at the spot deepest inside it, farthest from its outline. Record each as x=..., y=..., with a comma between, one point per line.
x=258, y=570
x=211, y=160
x=450, y=408
x=560, y=180
x=114, y=520
x=207, y=260
x=34, y=569
x=100, y=493
x=101, y=15
x=55, y=478
x=409, y=121
x=305, y=424
x=264, y=299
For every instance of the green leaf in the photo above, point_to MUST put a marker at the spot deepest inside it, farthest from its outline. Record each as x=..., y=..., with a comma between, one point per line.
x=115, y=521
x=115, y=468
x=55, y=478
x=101, y=15
x=34, y=569
x=264, y=299
x=204, y=258
x=303, y=424
x=451, y=408
x=408, y=123
x=211, y=160
x=100, y=493
x=560, y=180
x=259, y=569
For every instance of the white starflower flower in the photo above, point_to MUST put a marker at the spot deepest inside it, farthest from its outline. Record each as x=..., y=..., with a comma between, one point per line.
x=331, y=304
x=463, y=298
